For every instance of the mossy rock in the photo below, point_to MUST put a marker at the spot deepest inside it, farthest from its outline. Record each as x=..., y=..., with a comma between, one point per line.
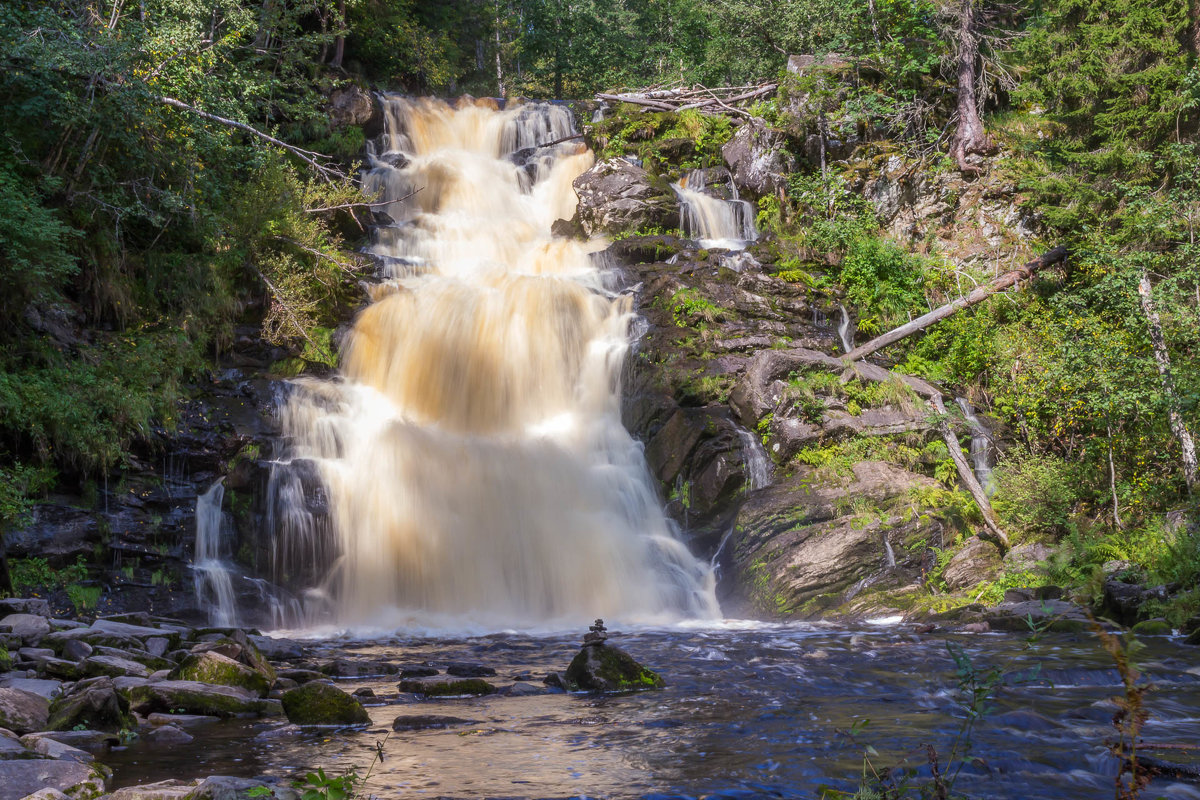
x=214, y=668
x=1153, y=627
x=192, y=697
x=448, y=688
x=605, y=668
x=323, y=704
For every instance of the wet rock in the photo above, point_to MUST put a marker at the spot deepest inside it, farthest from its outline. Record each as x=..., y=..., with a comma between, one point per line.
x=180, y=719
x=1123, y=601
x=301, y=676
x=61, y=668
x=157, y=645
x=1055, y=615
x=139, y=632
x=465, y=670
x=21, y=778
x=364, y=693
x=169, y=734
x=113, y=667
x=976, y=627
x=96, y=741
x=555, y=680
x=30, y=627
x=217, y=787
x=421, y=722
x=617, y=196
x=1193, y=637
x=1027, y=557
x=46, y=688
x=214, y=668
x=1021, y=595
x=417, y=671
x=189, y=697
x=523, y=690
x=977, y=561
x=462, y=687
x=93, y=705
x=48, y=747
x=23, y=712
x=76, y=650
x=798, y=546
x=11, y=748
x=607, y=668
x=276, y=649
x=353, y=105
x=323, y=704
x=344, y=668
x=758, y=159
x=24, y=605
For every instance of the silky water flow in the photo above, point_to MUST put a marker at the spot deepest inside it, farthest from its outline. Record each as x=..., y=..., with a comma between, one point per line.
x=471, y=454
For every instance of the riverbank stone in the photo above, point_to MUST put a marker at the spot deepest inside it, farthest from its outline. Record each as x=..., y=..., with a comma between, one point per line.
x=19, y=779
x=190, y=697
x=606, y=668
x=462, y=687
x=323, y=704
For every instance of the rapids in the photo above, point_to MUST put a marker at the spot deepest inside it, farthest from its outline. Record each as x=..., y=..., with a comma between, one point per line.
x=472, y=450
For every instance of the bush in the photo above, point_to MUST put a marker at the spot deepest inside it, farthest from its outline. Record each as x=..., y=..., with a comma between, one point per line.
x=1036, y=493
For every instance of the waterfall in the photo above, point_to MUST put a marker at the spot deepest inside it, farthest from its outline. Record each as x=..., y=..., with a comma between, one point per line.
x=211, y=574
x=715, y=222
x=981, y=444
x=846, y=330
x=758, y=463
x=470, y=456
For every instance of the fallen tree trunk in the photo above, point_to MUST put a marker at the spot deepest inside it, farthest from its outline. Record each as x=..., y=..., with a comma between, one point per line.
x=978, y=295
x=638, y=101
x=967, y=475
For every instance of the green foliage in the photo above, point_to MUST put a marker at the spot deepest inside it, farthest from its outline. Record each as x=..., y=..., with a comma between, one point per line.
x=690, y=308
x=34, y=575
x=319, y=786
x=84, y=598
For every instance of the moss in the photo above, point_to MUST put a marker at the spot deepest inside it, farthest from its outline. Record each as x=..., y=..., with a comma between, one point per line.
x=448, y=688
x=5, y=659
x=604, y=668
x=322, y=704
x=1153, y=627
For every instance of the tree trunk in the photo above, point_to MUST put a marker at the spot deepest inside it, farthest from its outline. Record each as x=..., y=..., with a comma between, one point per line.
x=1163, y=359
x=980, y=294
x=970, y=137
x=6, y=586
x=965, y=474
x=499, y=67
x=339, y=46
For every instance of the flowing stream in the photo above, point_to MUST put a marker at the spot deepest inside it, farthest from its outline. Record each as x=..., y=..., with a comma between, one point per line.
x=472, y=451
x=750, y=711
x=211, y=573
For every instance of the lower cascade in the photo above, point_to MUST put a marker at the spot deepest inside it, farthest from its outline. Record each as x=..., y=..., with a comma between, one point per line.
x=714, y=221
x=471, y=454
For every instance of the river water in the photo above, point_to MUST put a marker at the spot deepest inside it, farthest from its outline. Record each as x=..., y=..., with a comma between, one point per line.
x=750, y=710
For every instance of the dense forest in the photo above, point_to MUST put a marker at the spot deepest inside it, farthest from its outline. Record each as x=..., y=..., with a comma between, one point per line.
x=168, y=169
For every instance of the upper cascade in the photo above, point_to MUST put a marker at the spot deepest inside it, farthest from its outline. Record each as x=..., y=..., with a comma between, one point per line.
x=472, y=453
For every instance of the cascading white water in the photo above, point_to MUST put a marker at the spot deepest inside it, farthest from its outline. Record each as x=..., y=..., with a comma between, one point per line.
x=717, y=223
x=846, y=330
x=211, y=575
x=981, y=444
x=758, y=463
x=472, y=452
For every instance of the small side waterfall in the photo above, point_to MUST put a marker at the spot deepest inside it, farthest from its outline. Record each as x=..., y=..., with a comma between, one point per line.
x=758, y=463
x=211, y=574
x=846, y=330
x=717, y=223
x=981, y=447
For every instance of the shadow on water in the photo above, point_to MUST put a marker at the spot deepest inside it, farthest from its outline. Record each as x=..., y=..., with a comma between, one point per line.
x=747, y=713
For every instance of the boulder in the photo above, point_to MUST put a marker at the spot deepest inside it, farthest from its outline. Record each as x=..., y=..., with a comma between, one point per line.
x=169, y=734
x=24, y=605
x=276, y=649
x=616, y=196
x=417, y=671
x=758, y=159
x=11, y=748
x=46, y=688
x=977, y=561
x=190, y=697
x=23, y=712
x=352, y=105
x=76, y=650
x=462, y=687
x=422, y=722
x=18, y=779
x=30, y=627
x=607, y=668
x=1123, y=601
x=323, y=704
x=216, y=787
x=80, y=739
x=464, y=670
x=93, y=705
x=47, y=747
x=113, y=667
x=212, y=667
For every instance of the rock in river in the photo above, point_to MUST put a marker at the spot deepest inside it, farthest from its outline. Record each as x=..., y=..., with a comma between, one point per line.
x=323, y=704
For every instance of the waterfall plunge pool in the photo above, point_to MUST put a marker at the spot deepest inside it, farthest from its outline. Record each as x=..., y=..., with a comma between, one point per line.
x=750, y=710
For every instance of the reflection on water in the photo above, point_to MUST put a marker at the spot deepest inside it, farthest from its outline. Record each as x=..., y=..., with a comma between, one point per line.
x=751, y=712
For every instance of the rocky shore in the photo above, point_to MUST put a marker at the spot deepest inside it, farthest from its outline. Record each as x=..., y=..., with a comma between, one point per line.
x=71, y=691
